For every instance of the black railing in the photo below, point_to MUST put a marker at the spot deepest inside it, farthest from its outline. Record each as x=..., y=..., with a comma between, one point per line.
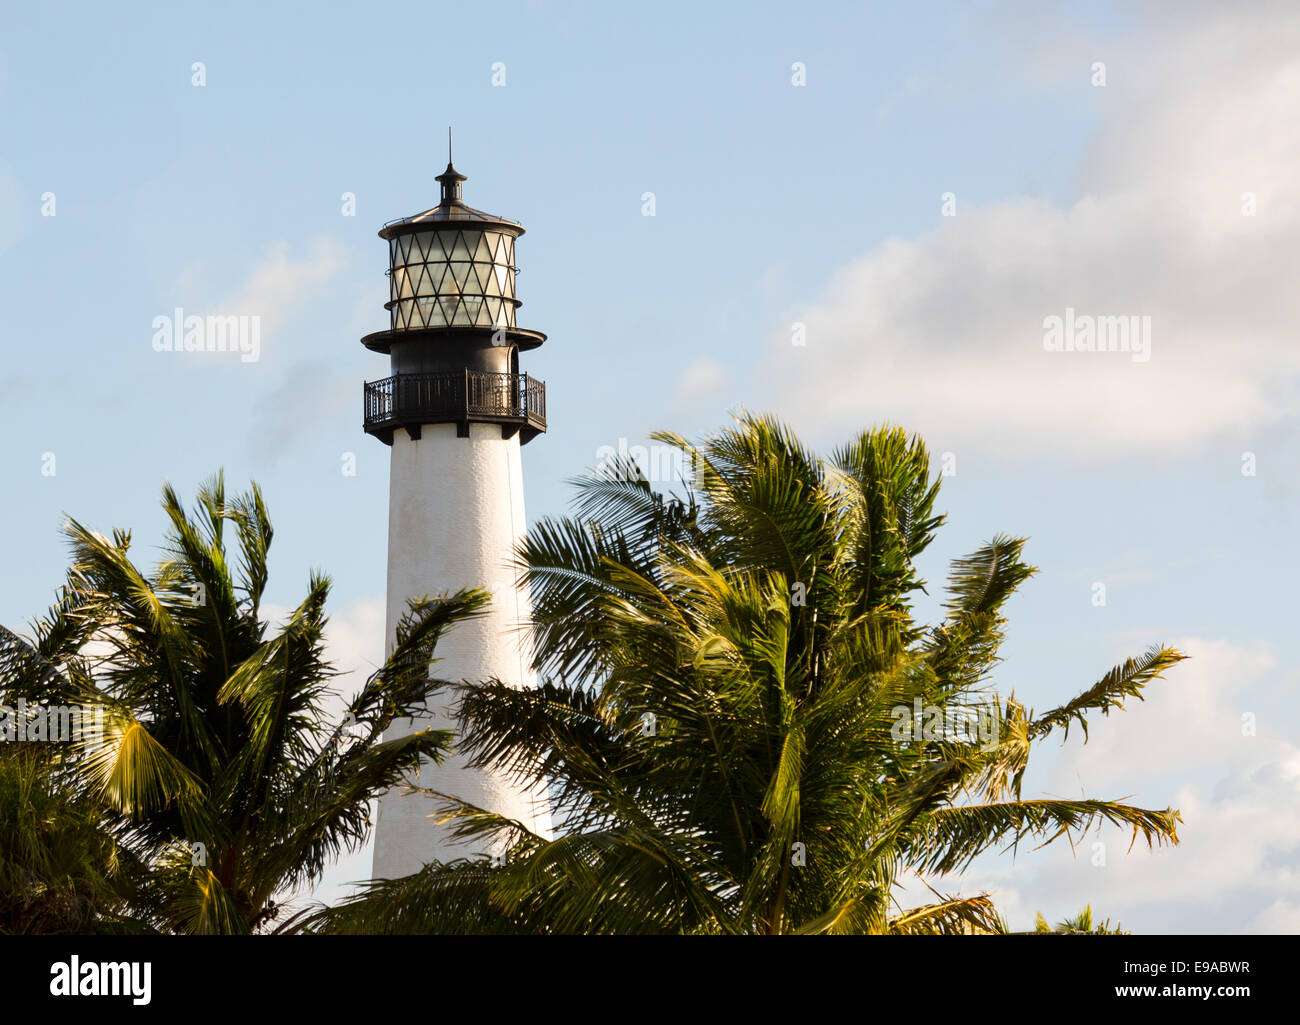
x=459, y=396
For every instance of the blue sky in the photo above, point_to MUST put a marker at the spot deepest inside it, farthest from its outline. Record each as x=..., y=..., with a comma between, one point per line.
x=775, y=204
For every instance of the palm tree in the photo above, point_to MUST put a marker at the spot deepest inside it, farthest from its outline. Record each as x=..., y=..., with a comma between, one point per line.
x=1081, y=924
x=217, y=767
x=59, y=872
x=743, y=727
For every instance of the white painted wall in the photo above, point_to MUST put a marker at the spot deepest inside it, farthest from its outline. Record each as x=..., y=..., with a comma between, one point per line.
x=456, y=511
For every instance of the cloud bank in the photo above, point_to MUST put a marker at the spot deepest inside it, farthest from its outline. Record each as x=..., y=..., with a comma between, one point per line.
x=1184, y=213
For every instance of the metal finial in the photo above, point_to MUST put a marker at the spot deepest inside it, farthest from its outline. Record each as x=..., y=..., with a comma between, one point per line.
x=450, y=179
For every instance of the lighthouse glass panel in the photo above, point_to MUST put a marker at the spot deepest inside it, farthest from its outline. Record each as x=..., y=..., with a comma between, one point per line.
x=452, y=278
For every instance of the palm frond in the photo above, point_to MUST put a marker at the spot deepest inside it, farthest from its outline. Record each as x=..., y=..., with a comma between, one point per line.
x=1126, y=680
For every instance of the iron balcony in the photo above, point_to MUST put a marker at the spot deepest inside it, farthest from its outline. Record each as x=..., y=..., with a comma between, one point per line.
x=516, y=401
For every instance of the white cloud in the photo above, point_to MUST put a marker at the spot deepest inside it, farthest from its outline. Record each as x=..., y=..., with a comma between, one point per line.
x=702, y=379
x=280, y=282
x=944, y=333
x=1280, y=917
x=277, y=287
x=269, y=302
x=1191, y=719
x=354, y=640
x=1236, y=867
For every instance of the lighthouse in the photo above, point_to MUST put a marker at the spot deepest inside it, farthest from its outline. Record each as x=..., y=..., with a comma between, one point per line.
x=455, y=411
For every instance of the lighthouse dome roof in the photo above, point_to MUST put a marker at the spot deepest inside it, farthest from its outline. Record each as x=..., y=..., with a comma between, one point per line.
x=451, y=212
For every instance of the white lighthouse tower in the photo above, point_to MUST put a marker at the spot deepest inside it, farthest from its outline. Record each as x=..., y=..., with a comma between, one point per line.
x=456, y=411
